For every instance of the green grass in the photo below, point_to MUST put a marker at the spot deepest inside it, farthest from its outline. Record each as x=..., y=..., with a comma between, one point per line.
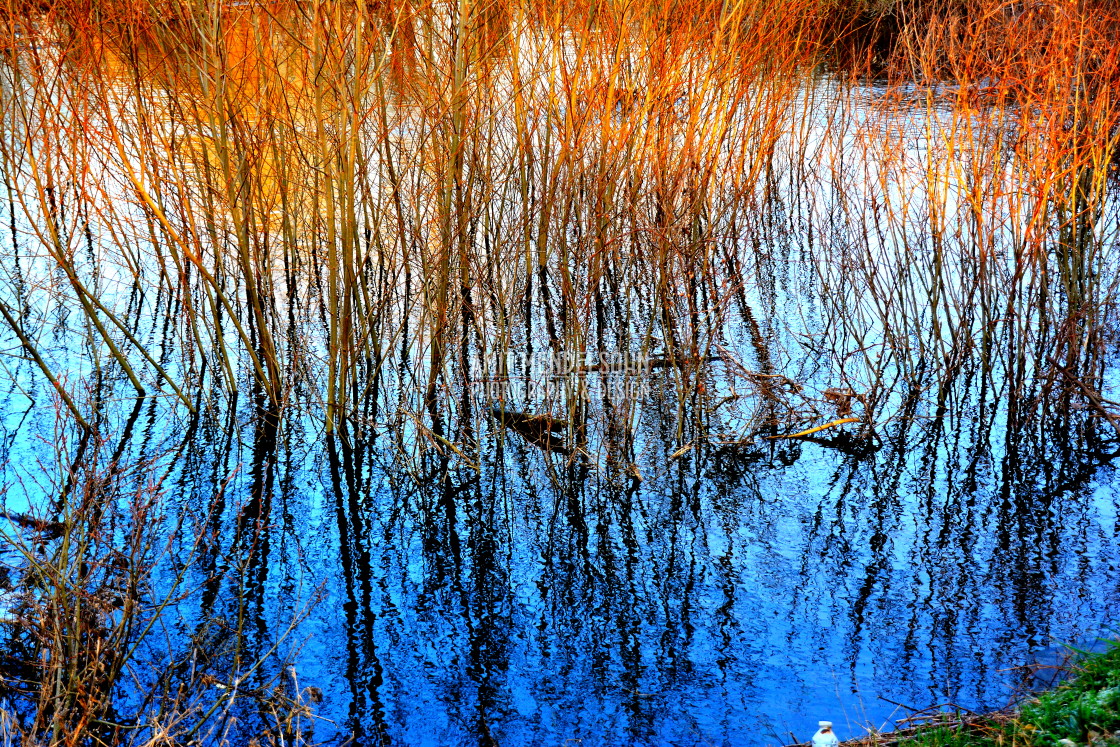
x=974, y=735
x=1084, y=709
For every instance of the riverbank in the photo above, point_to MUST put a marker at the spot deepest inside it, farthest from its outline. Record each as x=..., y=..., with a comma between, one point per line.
x=1084, y=711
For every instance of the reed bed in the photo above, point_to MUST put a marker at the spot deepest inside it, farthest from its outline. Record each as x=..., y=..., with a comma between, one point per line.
x=351, y=214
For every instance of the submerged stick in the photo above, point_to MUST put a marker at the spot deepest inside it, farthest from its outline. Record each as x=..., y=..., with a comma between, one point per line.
x=1094, y=398
x=841, y=421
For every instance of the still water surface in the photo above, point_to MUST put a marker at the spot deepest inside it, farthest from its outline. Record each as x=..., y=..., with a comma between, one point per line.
x=697, y=585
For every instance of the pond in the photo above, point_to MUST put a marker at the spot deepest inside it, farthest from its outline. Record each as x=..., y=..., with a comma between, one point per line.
x=631, y=400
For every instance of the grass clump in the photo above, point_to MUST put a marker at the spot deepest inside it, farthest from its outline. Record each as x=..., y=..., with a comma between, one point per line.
x=1085, y=710
x=980, y=734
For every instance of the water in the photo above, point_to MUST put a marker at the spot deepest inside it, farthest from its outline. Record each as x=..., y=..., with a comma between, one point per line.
x=726, y=598
x=713, y=603
x=677, y=577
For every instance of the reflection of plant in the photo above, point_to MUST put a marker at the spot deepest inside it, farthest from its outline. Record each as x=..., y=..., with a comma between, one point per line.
x=84, y=600
x=85, y=590
x=322, y=191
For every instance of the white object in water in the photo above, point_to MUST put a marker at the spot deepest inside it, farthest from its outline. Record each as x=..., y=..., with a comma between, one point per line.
x=825, y=737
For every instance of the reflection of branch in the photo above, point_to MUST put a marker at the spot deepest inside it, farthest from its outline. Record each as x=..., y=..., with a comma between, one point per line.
x=765, y=381
x=47, y=528
x=31, y=350
x=1094, y=398
x=437, y=440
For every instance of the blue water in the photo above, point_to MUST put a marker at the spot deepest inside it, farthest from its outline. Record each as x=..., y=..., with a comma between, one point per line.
x=730, y=597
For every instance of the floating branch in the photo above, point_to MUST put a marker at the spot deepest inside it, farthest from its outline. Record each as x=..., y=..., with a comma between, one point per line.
x=799, y=434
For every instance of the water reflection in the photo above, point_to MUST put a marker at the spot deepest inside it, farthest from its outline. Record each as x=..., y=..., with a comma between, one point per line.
x=727, y=595
x=664, y=565
x=714, y=600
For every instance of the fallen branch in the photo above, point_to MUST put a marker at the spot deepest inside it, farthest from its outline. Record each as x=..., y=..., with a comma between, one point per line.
x=1094, y=398
x=841, y=421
